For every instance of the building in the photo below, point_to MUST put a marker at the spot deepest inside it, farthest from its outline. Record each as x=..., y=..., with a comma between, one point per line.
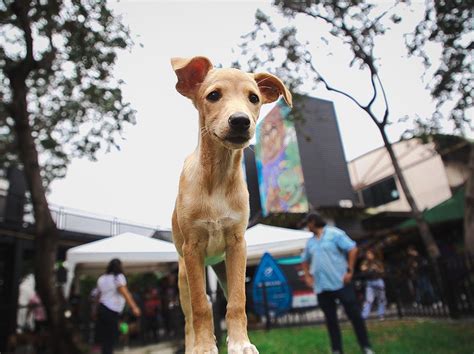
x=432, y=175
x=435, y=171
x=17, y=242
x=298, y=164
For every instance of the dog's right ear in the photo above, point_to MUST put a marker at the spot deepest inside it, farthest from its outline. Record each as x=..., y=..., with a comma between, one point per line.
x=190, y=72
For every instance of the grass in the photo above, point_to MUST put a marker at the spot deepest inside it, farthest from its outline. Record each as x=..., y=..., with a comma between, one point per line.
x=391, y=337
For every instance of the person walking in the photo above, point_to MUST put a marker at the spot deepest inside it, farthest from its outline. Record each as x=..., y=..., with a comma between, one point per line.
x=112, y=294
x=372, y=269
x=328, y=263
x=36, y=307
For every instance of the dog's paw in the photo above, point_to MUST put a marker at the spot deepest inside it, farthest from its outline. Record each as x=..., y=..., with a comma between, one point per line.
x=243, y=347
x=205, y=349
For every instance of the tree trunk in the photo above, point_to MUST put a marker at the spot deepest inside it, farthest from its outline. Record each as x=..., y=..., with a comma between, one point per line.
x=423, y=227
x=62, y=338
x=469, y=206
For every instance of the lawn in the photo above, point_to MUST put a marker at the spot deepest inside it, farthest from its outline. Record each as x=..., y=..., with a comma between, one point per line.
x=391, y=337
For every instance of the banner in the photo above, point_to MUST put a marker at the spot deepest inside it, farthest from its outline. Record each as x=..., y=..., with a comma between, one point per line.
x=280, y=175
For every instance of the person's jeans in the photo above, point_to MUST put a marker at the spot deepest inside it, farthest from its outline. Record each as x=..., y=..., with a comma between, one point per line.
x=107, y=329
x=375, y=290
x=347, y=297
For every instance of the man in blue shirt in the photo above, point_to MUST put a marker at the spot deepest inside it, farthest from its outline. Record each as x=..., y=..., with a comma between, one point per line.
x=328, y=262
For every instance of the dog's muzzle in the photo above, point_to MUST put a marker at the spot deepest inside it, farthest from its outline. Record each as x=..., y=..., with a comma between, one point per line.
x=239, y=124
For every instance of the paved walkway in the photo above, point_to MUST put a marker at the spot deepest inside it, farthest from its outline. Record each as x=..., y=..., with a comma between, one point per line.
x=161, y=348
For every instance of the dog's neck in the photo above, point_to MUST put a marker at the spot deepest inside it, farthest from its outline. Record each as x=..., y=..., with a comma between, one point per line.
x=218, y=164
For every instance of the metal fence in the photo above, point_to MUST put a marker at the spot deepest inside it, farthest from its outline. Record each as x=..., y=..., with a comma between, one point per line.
x=444, y=289
x=79, y=221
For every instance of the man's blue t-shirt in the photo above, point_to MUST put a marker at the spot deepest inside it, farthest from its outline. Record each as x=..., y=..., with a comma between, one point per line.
x=328, y=258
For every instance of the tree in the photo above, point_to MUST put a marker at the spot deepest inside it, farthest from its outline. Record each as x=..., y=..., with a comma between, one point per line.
x=449, y=23
x=469, y=206
x=357, y=24
x=58, y=101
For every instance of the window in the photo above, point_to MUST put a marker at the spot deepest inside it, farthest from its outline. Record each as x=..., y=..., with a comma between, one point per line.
x=380, y=193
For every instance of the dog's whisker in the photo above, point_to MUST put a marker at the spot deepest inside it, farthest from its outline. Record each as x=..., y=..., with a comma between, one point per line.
x=262, y=80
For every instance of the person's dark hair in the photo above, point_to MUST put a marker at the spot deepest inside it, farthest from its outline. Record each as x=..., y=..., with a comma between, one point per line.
x=115, y=267
x=315, y=218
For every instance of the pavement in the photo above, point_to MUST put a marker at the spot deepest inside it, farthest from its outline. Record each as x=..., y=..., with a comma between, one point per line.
x=161, y=348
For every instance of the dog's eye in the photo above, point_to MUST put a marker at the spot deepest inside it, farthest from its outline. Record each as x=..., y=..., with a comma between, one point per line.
x=214, y=96
x=254, y=98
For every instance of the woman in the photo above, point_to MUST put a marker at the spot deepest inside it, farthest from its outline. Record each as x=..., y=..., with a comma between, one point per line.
x=112, y=294
x=373, y=270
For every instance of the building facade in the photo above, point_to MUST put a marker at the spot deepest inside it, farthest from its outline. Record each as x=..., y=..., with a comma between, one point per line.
x=298, y=164
x=432, y=174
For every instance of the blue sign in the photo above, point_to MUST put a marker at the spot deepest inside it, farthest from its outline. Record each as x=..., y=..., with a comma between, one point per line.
x=270, y=288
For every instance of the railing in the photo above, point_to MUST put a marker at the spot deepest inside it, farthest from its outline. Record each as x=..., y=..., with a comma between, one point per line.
x=71, y=220
x=442, y=290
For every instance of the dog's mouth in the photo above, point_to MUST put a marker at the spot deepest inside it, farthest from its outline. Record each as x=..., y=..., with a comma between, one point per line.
x=237, y=139
x=233, y=139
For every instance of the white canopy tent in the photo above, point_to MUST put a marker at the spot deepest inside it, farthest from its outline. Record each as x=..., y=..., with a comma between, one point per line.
x=138, y=254
x=141, y=253
x=277, y=241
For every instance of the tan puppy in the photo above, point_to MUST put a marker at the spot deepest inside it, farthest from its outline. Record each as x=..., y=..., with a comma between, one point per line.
x=212, y=207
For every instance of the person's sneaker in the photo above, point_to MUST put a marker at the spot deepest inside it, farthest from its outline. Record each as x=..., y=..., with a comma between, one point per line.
x=368, y=351
x=336, y=352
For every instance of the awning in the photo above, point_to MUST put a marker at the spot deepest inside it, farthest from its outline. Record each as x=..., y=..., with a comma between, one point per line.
x=449, y=210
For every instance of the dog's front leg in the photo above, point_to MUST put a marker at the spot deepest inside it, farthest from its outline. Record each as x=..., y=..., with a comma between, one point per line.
x=236, y=261
x=204, y=341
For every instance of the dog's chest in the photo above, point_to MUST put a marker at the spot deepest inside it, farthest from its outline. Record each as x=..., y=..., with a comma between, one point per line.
x=218, y=219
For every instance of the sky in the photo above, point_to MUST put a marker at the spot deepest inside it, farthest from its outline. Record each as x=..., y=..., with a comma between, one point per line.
x=139, y=183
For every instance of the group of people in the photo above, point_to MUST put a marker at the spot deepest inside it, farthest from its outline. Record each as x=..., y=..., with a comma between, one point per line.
x=329, y=261
x=145, y=315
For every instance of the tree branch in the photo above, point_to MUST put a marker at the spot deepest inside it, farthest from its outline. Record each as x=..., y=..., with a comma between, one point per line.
x=385, y=114
x=374, y=96
x=352, y=98
x=20, y=9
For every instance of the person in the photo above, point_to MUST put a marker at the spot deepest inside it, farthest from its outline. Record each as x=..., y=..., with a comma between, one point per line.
x=152, y=311
x=419, y=281
x=112, y=294
x=172, y=314
x=35, y=306
x=373, y=269
x=39, y=313
x=328, y=263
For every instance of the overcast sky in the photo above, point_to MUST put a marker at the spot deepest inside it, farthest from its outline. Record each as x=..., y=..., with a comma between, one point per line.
x=139, y=182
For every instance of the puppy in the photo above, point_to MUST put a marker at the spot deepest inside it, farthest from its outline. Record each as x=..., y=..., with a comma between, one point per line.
x=212, y=207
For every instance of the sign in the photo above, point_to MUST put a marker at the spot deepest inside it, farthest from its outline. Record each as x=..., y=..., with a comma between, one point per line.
x=280, y=175
x=303, y=296
x=270, y=290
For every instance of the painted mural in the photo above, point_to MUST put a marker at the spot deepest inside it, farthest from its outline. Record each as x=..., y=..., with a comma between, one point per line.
x=280, y=175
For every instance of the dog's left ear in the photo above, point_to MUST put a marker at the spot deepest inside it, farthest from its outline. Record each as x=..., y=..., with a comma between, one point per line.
x=190, y=72
x=271, y=88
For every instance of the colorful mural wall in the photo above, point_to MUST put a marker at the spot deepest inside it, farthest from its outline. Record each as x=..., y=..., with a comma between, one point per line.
x=280, y=175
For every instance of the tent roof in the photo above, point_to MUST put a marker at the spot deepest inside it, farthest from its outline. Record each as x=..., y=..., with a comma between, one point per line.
x=129, y=247
x=275, y=240
x=451, y=209
x=136, y=249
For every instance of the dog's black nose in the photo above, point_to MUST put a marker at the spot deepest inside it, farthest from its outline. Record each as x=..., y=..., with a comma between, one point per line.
x=239, y=122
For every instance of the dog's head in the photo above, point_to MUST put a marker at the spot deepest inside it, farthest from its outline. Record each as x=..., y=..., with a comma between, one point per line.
x=228, y=100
